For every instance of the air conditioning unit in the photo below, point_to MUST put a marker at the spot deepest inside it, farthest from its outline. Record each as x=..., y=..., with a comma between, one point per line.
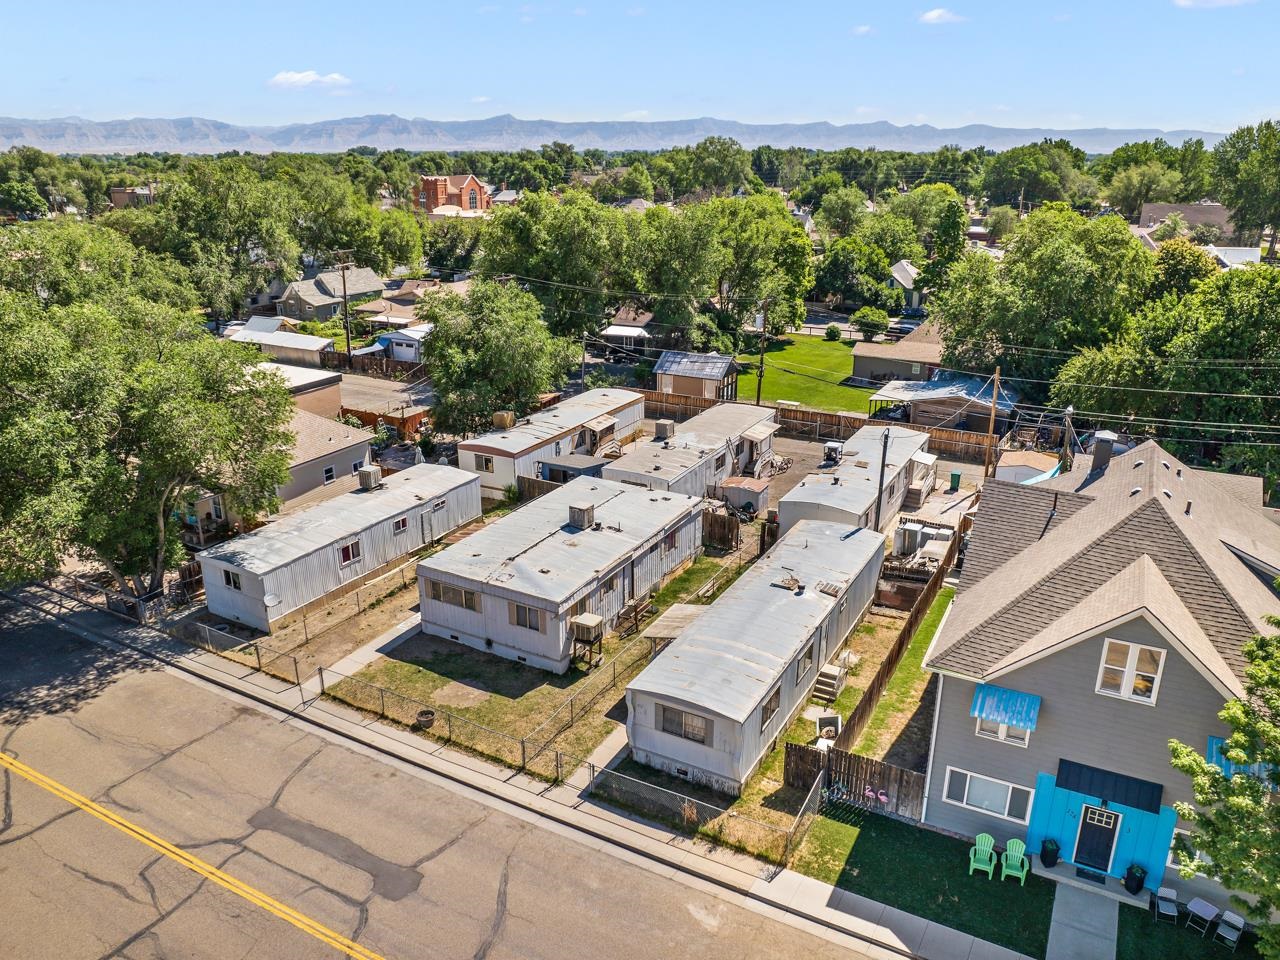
x=370, y=477
x=582, y=515
x=587, y=628
x=906, y=540
x=664, y=429
x=832, y=451
x=504, y=419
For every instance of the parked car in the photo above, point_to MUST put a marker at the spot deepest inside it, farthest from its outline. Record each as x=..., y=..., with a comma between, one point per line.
x=914, y=313
x=899, y=329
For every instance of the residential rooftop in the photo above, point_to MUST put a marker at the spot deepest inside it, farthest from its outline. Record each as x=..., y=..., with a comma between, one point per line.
x=703, y=366
x=697, y=438
x=543, y=425
x=852, y=483
x=315, y=436
x=280, y=338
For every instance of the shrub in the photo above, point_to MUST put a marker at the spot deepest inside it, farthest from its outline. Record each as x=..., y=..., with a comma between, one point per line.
x=870, y=321
x=833, y=331
x=511, y=495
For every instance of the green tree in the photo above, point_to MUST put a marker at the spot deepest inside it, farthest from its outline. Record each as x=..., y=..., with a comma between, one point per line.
x=949, y=243
x=870, y=322
x=1247, y=168
x=925, y=206
x=1180, y=265
x=842, y=210
x=721, y=165
x=21, y=198
x=854, y=272
x=399, y=240
x=490, y=351
x=895, y=235
x=636, y=182
x=1235, y=821
x=1145, y=183
x=1174, y=225
x=451, y=243
x=813, y=193
x=1000, y=222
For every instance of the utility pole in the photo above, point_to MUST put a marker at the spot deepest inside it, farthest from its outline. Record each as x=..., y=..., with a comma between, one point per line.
x=1068, y=438
x=987, y=462
x=344, y=264
x=582, y=377
x=764, y=339
x=884, y=459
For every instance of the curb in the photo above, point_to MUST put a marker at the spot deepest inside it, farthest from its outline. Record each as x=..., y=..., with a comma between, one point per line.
x=486, y=789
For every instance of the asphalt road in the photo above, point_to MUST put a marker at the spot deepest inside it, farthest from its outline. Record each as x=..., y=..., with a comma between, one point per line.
x=359, y=848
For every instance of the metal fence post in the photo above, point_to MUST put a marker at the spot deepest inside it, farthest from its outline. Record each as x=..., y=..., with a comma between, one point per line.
x=523, y=760
x=257, y=653
x=559, y=768
x=448, y=724
x=382, y=703
x=320, y=674
x=297, y=679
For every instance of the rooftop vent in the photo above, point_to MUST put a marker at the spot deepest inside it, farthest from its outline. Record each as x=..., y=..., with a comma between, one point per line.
x=582, y=515
x=1104, y=444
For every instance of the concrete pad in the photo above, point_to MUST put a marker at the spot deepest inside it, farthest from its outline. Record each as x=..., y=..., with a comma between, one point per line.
x=903, y=929
x=945, y=943
x=854, y=905
x=1083, y=926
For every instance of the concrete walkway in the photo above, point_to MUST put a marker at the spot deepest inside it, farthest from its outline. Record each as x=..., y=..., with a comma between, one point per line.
x=867, y=927
x=1084, y=925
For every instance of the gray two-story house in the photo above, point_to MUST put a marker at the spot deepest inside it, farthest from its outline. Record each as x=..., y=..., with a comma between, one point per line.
x=1100, y=614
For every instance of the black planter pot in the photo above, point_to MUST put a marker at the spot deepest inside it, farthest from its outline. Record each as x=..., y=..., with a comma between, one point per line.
x=1049, y=854
x=425, y=720
x=1134, y=880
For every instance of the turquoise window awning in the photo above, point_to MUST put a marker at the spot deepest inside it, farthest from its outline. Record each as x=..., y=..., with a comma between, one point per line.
x=1002, y=705
x=1214, y=754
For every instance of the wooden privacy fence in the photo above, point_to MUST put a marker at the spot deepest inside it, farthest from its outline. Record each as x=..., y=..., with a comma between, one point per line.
x=871, y=696
x=533, y=487
x=959, y=444
x=674, y=406
x=374, y=364
x=721, y=531
x=858, y=781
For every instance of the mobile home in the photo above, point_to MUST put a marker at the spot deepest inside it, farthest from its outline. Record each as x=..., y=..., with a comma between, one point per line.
x=694, y=456
x=716, y=700
x=596, y=422
x=258, y=578
x=559, y=571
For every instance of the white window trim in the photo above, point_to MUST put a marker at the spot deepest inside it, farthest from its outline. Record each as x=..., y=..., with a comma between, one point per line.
x=329, y=475
x=1002, y=736
x=400, y=525
x=358, y=553
x=1130, y=671
x=1031, y=800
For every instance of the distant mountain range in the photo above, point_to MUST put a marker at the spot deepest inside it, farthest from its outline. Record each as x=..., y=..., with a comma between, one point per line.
x=387, y=131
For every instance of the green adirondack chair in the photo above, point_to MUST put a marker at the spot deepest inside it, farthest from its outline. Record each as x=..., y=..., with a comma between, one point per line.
x=1013, y=862
x=982, y=854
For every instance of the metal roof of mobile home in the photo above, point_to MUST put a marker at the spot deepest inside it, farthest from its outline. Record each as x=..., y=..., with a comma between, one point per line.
x=281, y=338
x=544, y=425
x=859, y=469
x=694, y=440
x=704, y=366
x=730, y=657
x=290, y=538
x=534, y=551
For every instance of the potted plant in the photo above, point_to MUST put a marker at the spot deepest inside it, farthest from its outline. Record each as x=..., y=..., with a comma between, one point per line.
x=426, y=719
x=1134, y=878
x=1049, y=852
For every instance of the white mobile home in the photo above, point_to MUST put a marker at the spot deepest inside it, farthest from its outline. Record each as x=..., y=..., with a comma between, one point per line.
x=559, y=570
x=715, y=701
x=596, y=422
x=845, y=491
x=694, y=456
x=262, y=576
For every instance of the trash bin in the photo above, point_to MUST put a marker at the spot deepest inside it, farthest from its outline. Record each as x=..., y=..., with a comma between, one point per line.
x=955, y=481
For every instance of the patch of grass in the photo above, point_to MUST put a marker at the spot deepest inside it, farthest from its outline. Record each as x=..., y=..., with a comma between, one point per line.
x=694, y=577
x=907, y=682
x=1139, y=937
x=927, y=874
x=807, y=370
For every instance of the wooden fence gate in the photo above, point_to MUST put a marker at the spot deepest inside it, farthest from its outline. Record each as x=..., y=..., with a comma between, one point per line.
x=860, y=781
x=721, y=531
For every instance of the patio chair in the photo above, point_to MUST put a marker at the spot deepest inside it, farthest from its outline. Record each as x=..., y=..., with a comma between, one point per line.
x=982, y=855
x=1230, y=927
x=1013, y=862
x=1166, y=905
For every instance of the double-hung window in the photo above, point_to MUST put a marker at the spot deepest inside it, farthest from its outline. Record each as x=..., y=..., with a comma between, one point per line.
x=329, y=475
x=528, y=617
x=356, y=465
x=678, y=723
x=996, y=797
x=1130, y=671
x=1004, y=732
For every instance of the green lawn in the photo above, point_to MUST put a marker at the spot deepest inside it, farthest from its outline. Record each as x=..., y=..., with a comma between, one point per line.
x=1141, y=938
x=807, y=370
x=906, y=685
x=927, y=874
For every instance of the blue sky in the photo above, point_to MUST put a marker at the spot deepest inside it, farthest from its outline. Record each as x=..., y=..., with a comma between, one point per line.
x=1065, y=63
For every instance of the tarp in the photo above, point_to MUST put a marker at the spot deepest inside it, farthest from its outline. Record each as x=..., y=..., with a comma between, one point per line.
x=1002, y=705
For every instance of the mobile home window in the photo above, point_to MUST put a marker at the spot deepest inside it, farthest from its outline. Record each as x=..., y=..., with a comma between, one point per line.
x=528, y=617
x=454, y=596
x=610, y=583
x=996, y=797
x=400, y=525
x=805, y=664
x=669, y=541
x=232, y=580
x=720, y=462
x=349, y=552
x=770, y=707
x=1130, y=671
x=484, y=464
x=329, y=475
x=678, y=723
x=439, y=505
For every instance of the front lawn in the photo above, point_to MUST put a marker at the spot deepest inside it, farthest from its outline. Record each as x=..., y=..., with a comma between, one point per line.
x=927, y=874
x=1141, y=938
x=807, y=370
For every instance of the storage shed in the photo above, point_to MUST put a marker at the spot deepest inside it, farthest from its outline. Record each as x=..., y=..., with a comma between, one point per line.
x=286, y=347
x=597, y=422
x=958, y=401
x=262, y=576
x=694, y=456
x=712, y=376
x=844, y=491
x=554, y=575
x=711, y=705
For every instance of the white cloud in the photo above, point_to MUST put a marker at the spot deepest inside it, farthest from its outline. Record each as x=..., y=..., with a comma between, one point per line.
x=301, y=79
x=1190, y=4
x=635, y=115
x=940, y=15
x=480, y=99
x=861, y=30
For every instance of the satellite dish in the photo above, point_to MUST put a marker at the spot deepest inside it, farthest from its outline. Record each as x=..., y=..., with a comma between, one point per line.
x=271, y=600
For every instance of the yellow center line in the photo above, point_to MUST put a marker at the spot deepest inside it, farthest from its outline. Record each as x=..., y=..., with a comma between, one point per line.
x=192, y=863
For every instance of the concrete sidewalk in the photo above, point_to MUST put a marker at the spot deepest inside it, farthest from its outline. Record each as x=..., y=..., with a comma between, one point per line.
x=1084, y=925
x=867, y=926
